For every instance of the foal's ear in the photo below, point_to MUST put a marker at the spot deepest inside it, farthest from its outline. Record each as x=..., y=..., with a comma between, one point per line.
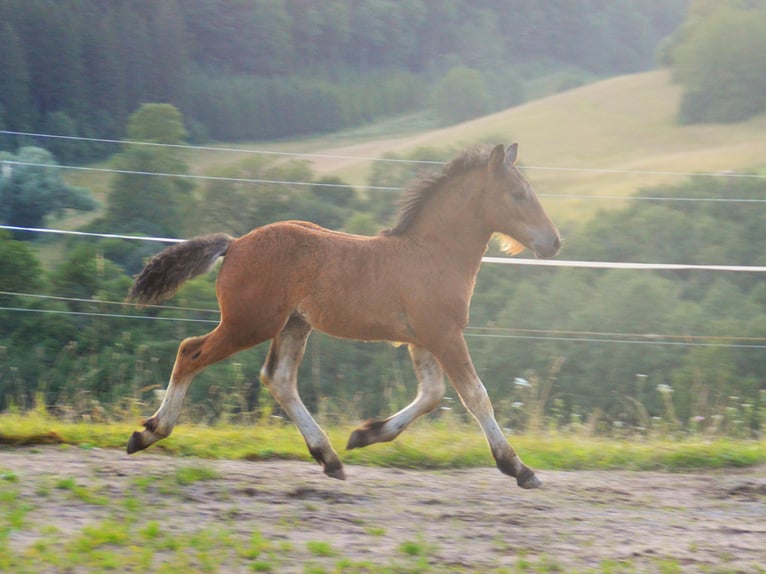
x=497, y=157
x=512, y=153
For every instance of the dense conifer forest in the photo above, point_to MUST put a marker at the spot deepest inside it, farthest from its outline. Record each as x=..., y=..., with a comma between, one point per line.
x=264, y=69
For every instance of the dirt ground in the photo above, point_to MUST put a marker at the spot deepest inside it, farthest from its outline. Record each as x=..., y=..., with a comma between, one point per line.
x=461, y=521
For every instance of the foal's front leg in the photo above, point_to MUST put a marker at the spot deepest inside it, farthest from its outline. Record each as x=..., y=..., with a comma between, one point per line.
x=280, y=375
x=459, y=368
x=430, y=393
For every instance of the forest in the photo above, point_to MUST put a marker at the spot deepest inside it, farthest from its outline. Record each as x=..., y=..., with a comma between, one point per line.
x=571, y=347
x=265, y=69
x=609, y=344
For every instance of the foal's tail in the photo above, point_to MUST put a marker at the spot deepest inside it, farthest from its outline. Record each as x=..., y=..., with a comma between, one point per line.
x=169, y=269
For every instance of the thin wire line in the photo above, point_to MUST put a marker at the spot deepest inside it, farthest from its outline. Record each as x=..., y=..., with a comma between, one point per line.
x=507, y=332
x=651, y=198
x=90, y=234
x=615, y=334
x=489, y=335
x=618, y=265
x=500, y=260
x=109, y=315
x=227, y=149
x=382, y=159
x=627, y=341
x=649, y=172
x=194, y=176
x=102, y=302
x=370, y=187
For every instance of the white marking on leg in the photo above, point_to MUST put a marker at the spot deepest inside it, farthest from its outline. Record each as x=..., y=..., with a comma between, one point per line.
x=283, y=361
x=457, y=363
x=170, y=408
x=285, y=390
x=430, y=392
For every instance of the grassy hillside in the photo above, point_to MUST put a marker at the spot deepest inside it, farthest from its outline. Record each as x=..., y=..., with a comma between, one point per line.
x=624, y=123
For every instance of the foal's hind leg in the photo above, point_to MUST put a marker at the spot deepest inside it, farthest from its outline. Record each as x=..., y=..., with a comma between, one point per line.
x=280, y=375
x=430, y=393
x=194, y=354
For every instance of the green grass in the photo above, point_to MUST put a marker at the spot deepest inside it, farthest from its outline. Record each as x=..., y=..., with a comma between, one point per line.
x=82, y=493
x=412, y=548
x=318, y=548
x=427, y=445
x=187, y=475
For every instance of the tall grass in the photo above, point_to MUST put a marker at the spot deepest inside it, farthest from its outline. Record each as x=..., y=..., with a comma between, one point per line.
x=449, y=441
x=530, y=407
x=545, y=434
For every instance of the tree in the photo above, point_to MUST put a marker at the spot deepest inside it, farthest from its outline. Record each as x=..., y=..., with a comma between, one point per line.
x=461, y=95
x=156, y=123
x=19, y=270
x=238, y=206
x=55, y=62
x=151, y=204
x=6, y=140
x=14, y=80
x=98, y=61
x=169, y=50
x=19, y=273
x=721, y=62
x=31, y=188
x=61, y=124
x=101, y=58
x=481, y=45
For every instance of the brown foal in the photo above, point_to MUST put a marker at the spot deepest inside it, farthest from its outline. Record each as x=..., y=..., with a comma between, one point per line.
x=410, y=284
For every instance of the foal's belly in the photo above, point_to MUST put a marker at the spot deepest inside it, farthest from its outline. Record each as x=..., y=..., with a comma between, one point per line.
x=365, y=322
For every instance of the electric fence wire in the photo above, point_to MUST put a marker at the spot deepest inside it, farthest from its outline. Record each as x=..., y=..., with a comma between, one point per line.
x=543, y=335
x=490, y=332
x=315, y=184
x=500, y=260
x=311, y=155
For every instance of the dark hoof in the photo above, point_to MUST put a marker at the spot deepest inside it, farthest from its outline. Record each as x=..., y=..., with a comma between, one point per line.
x=358, y=439
x=529, y=481
x=135, y=442
x=333, y=468
x=335, y=471
x=366, y=434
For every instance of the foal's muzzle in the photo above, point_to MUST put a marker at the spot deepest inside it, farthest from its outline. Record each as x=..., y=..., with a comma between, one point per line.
x=548, y=247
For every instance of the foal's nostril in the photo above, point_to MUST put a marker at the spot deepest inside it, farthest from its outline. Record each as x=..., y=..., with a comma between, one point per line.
x=546, y=246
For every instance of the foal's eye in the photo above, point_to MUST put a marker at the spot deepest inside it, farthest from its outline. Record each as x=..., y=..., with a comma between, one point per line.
x=519, y=193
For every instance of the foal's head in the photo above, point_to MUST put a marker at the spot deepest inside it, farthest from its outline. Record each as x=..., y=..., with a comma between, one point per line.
x=513, y=210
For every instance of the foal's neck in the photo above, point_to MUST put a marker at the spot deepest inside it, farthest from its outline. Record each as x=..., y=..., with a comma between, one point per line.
x=454, y=219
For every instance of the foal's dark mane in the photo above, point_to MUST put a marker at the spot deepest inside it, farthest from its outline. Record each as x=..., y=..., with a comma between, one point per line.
x=424, y=187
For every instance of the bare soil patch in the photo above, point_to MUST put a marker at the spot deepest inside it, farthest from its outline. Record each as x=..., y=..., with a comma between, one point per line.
x=473, y=520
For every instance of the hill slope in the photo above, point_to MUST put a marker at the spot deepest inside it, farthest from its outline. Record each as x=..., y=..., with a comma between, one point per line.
x=623, y=123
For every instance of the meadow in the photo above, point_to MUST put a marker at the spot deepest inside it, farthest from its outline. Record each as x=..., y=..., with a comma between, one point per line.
x=446, y=442
x=608, y=139
x=657, y=497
